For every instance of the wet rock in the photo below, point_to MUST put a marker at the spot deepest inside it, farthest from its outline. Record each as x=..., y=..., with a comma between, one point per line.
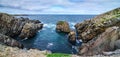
x=103, y=43
x=62, y=26
x=72, y=37
x=9, y=41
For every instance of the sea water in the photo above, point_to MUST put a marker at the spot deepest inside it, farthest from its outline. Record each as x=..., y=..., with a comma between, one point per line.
x=48, y=38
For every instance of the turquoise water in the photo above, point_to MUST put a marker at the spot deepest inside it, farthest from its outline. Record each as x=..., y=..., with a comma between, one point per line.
x=47, y=38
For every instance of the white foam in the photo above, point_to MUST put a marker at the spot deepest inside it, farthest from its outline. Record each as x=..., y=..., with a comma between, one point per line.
x=72, y=25
x=49, y=44
x=49, y=25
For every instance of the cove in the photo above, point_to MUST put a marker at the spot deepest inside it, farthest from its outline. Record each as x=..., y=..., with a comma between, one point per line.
x=47, y=38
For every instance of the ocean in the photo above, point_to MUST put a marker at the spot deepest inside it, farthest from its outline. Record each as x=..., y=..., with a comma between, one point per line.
x=48, y=38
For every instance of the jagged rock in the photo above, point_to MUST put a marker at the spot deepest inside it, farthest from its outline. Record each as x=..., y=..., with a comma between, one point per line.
x=29, y=30
x=9, y=41
x=103, y=43
x=62, y=26
x=72, y=37
x=89, y=29
x=22, y=27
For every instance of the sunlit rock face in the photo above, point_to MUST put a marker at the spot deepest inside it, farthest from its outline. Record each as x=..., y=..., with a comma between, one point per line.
x=100, y=33
x=11, y=27
x=62, y=26
x=21, y=27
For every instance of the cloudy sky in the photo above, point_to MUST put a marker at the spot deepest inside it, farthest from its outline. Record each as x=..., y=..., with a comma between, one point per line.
x=57, y=6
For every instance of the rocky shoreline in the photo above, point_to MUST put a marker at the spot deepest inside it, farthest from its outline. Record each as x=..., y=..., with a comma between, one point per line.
x=100, y=35
x=11, y=27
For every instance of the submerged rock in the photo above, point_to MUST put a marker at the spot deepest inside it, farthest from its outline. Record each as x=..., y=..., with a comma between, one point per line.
x=62, y=26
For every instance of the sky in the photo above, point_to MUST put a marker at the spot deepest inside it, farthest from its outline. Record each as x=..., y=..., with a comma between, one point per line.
x=58, y=6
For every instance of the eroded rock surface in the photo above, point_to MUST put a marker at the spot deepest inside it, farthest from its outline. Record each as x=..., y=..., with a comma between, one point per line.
x=89, y=29
x=9, y=41
x=62, y=26
x=22, y=27
x=100, y=34
x=105, y=42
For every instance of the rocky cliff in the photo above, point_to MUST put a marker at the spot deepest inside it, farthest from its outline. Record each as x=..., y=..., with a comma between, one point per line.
x=21, y=27
x=100, y=33
x=11, y=27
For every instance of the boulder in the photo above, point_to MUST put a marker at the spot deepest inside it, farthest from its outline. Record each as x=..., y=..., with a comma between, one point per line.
x=72, y=37
x=62, y=26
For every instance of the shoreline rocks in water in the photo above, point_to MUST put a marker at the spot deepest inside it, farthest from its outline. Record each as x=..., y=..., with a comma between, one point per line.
x=100, y=33
x=62, y=26
x=72, y=37
x=11, y=27
x=22, y=27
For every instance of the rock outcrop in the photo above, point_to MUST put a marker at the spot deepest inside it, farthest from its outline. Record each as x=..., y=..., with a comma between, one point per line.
x=9, y=41
x=22, y=27
x=100, y=33
x=6, y=51
x=72, y=37
x=11, y=27
x=105, y=42
x=89, y=29
x=62, y=26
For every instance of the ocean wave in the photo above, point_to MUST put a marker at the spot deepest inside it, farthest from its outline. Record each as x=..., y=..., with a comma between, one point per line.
x=72, y=24
x=49, y=25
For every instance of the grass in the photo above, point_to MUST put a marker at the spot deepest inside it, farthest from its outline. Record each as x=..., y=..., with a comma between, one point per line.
x=58, y=55
x=60, y=22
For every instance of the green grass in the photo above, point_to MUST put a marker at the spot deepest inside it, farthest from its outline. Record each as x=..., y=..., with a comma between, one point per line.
x=58, y=55
x=60, y=22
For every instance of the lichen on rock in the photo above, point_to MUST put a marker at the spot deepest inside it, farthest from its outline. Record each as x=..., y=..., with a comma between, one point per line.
x=62, y=26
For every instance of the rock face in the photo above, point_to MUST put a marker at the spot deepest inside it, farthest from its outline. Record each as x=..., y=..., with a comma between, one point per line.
x=62, y=26
x=100, y=33
x=72, y=37
x=89, y=29
x=105, y=42
x=22, y=27
x=11, y=27
x=9, y=41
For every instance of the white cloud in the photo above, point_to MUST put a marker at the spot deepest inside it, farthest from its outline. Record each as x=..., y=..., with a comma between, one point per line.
x=62, y=6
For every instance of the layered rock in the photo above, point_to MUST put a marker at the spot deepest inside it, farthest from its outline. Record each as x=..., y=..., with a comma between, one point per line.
x=89, y=29
x=72, y=37
x=100, y=34
x=62, y=26
x=22, y=27
x=9, y=41
x=104, y=42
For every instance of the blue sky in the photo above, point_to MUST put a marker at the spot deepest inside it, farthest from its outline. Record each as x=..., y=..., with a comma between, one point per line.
x=58, y=6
